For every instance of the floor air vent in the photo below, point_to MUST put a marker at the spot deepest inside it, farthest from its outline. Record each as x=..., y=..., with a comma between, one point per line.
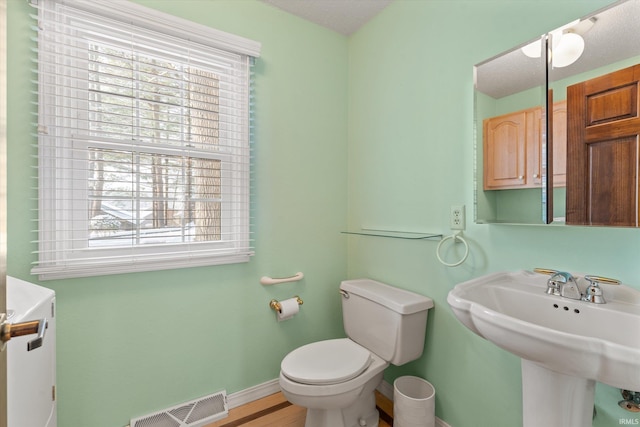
x=190, y=414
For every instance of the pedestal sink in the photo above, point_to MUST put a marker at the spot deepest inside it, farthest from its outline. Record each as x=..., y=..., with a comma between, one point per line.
x=566, y=345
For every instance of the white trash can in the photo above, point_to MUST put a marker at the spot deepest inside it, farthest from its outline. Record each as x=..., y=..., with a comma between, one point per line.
x=413, y=402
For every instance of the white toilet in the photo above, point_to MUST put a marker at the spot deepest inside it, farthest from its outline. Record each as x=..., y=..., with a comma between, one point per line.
x=336, y=379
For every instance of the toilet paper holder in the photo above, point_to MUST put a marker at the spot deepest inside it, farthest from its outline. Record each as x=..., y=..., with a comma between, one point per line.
x=275, y=304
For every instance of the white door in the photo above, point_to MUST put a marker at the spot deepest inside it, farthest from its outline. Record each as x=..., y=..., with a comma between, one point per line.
x=3, y=203
x=30, y=326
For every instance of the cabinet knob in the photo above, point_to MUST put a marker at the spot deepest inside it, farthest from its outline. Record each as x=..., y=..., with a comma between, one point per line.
x=535, y=175
x=520, y=177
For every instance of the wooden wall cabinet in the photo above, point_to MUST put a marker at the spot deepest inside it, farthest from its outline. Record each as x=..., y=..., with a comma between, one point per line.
x=559, y=143
x=513, y=148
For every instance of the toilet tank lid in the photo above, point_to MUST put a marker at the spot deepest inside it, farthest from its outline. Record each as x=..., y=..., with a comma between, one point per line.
x=399, y=300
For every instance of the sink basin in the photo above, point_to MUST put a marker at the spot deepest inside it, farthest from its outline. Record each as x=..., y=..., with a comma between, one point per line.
x=564, y=344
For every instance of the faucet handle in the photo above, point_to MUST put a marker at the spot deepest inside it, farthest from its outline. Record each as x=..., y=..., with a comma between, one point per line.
x=604, y=280
x=594, y=292
x=547, y=271
x=554, y=283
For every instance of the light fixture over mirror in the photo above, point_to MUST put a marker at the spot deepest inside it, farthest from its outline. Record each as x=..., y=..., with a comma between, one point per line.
x=567, y=43
x=521, y=116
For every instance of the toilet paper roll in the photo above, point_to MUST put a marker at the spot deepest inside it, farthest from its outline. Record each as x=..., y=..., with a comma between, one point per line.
x=288, y=309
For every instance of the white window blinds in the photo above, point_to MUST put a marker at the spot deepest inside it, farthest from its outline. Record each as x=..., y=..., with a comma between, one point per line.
x=143, y=141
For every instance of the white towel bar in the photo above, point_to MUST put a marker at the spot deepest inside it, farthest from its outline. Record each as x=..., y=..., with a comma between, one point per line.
x=265, y=280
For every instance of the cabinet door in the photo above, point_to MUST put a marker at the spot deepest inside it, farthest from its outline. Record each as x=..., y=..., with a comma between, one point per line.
x=560, y=144
x=603, y=152
x=533, y=174
x=504, y=144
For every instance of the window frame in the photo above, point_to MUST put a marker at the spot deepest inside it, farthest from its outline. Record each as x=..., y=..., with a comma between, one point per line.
x=79, y=236
x=66, y=231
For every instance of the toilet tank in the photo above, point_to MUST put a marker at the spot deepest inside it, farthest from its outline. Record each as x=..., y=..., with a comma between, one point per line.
x=388, y=321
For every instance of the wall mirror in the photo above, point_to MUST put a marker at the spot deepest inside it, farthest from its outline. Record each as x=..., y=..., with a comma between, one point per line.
x=557, y=125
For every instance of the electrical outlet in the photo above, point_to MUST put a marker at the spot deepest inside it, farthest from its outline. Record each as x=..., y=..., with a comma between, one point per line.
x=457, y=217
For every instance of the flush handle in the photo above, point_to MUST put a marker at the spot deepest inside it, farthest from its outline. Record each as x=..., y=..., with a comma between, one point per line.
x=11, y=330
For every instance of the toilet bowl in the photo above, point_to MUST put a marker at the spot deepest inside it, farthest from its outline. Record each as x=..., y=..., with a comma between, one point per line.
x=336, y=379
x=347, y=377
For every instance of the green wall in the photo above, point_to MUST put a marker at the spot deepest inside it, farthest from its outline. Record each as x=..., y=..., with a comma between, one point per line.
x=373, y=130
x=132, y=344
x=411, y=158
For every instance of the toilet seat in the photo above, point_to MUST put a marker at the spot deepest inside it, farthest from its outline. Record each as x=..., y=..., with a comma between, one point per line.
x=326, y=362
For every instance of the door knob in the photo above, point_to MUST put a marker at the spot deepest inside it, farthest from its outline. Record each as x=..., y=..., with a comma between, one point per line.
x=10, y=330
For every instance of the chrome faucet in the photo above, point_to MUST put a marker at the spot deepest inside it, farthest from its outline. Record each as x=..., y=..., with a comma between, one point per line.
x=563, y=284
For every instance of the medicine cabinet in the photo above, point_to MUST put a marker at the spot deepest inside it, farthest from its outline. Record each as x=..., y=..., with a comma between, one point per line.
x=528, y=133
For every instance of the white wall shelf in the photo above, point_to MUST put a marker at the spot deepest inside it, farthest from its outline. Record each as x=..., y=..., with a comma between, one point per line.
x=395, y=234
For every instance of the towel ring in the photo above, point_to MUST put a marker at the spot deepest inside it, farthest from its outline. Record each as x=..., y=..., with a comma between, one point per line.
x=455, y=236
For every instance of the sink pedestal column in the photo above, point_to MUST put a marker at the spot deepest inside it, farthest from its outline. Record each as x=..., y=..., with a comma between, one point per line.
x=552, y=399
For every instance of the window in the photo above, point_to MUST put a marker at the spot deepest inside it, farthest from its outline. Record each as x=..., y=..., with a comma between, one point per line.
x=143, y=141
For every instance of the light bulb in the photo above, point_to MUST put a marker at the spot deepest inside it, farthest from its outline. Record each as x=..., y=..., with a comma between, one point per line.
x=568, y=50
x=533, y=50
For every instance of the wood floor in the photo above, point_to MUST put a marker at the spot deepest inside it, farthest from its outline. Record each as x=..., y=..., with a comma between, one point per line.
x=276, y=411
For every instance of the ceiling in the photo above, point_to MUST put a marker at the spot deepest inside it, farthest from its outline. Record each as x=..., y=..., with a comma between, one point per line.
x=342, y=16
x=614, y=36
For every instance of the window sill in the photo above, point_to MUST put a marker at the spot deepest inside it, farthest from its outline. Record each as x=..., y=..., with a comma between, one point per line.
x=89, y=269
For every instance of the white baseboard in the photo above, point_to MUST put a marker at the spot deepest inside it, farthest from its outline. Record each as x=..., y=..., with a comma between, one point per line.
x=252, y=393
x=386, y=390
x=270, y=387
